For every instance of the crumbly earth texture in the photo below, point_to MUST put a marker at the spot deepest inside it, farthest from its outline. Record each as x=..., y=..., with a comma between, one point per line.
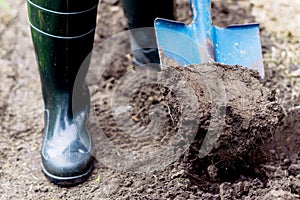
x=270, y=172
x=224, y=110
x=236, y=112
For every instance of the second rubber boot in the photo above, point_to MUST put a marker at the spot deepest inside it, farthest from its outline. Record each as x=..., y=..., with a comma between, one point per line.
x=63, y=35
x=141, y=14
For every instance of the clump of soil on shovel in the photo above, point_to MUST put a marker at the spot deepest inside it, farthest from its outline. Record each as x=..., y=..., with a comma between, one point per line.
x=240, y=114
x=211, y=116
x=225, y=112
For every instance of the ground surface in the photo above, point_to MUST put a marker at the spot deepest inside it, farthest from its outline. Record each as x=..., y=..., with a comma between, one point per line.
x=273, y=172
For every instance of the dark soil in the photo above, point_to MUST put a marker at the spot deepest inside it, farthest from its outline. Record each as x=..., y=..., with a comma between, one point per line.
x=135, y=158
x=237, y=114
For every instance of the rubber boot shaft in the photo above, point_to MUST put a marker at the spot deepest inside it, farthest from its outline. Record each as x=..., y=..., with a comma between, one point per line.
x=61, y=39
x=63, y=35
x=66, y=6
x=141, y=14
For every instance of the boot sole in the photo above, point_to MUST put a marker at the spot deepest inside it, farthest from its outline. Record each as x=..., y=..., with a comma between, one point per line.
x=68, y=181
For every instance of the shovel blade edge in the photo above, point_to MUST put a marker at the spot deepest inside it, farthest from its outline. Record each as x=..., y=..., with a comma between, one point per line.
x=175, y=42
x=239, y=45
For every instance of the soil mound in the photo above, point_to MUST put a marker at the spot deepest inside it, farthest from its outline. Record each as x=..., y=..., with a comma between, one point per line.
x=210, y=113
x=237, y=113
x=233, y=98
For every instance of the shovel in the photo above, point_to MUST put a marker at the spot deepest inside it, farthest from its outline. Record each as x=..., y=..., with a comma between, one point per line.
x=200, y=42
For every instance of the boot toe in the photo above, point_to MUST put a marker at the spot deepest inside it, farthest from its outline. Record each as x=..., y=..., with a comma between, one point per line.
x=68, y=169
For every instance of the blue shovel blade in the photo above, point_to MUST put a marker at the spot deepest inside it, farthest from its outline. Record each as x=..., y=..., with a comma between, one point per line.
x=200, y=42
x=176, y=43
x=239, y=44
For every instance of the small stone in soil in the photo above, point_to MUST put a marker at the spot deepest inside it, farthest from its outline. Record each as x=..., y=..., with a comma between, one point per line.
x=294, y=169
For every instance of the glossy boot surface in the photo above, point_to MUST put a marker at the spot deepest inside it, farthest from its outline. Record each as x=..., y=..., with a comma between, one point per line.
x=141, y=14
x=63, y=34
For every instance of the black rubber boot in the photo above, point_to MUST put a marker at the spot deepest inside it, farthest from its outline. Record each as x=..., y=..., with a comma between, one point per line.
x=63, y=35
x=141, y=14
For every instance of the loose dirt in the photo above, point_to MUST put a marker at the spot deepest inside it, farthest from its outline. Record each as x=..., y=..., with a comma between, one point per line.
x=237, y=113
x=271, y=171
